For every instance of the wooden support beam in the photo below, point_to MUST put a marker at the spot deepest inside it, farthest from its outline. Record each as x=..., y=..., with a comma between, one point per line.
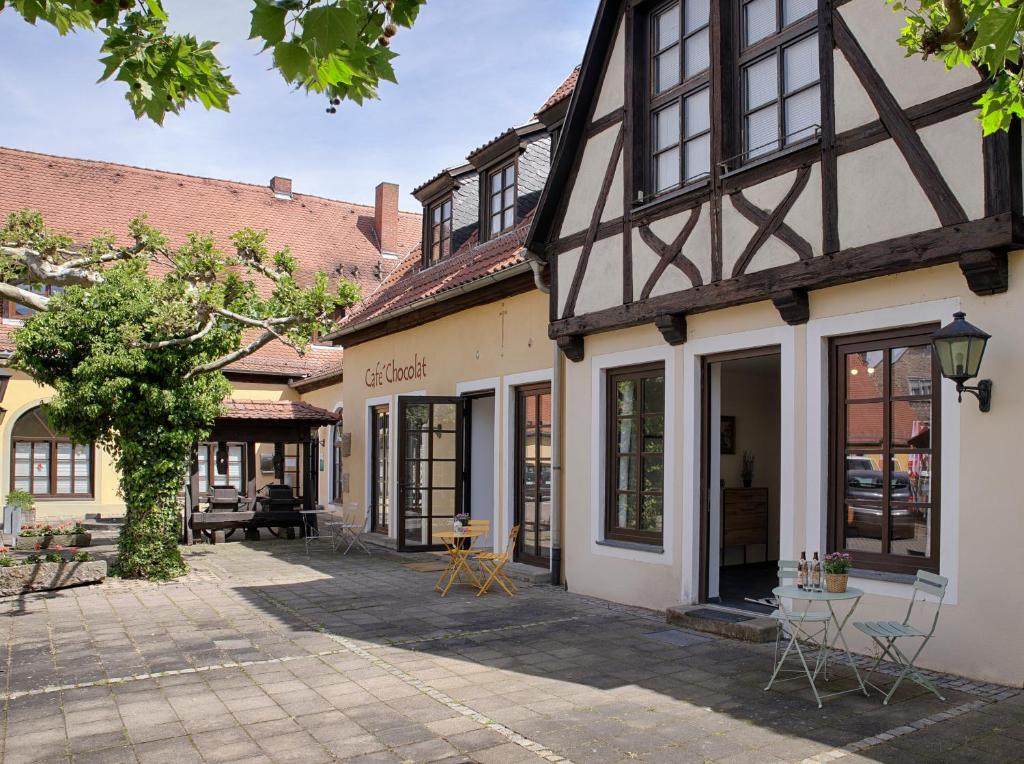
x=793, y=306
x=572, y=346
x=987, y=271
x=672, y=327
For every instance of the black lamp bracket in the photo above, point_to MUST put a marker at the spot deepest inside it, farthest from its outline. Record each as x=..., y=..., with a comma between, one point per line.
x=983, y=392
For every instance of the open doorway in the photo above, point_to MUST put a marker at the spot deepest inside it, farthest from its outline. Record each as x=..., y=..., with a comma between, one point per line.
x=479, y=462
x=742, y=475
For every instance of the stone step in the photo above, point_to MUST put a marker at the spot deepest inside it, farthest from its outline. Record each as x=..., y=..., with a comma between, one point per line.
x=724, y=621
x=530, y=574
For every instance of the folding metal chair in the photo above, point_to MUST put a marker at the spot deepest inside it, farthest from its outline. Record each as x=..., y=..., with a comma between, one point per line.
x=493, y=563
x=810, y=624
x=885, y=634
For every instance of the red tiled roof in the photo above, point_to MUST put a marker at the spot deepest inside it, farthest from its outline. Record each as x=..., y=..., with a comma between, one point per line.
x=234, y=408
x=84, y=198
x=562, y=91
x=411, y=283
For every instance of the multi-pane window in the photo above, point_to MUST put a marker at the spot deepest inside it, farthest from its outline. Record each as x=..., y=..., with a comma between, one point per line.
x=439, y=231
x=501, y=199
x=337, y=462
x=380, y=425
x=885, y=425
x=45, y=463
x=636, y=445
x=781, y=94
x=679, y=94
x=208, y=475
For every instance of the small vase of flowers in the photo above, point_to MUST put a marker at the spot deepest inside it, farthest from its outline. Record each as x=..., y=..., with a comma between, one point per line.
x=837, y=571
x=461, y=521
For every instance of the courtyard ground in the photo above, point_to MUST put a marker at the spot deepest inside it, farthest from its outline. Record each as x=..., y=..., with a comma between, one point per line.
x=263, y=654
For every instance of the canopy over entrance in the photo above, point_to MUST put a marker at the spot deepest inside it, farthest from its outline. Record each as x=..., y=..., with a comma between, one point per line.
x=229, y=458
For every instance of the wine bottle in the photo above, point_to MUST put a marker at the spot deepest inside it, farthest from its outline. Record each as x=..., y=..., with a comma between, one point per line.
x=801, y=571
x=816, y=572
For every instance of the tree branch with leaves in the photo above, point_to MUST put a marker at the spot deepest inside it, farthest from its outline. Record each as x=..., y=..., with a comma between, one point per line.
x=981, y=34
x=340, y=49
x=133, y=340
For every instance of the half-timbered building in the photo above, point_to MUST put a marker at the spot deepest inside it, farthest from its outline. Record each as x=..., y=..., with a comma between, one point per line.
x=758, y=213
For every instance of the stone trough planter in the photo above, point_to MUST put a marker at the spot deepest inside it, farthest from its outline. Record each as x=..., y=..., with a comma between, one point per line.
x=45, y=576
x=28, y=543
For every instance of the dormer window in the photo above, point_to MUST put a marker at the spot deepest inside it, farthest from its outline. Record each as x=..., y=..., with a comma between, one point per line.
x=501, y=198
x=439, y=231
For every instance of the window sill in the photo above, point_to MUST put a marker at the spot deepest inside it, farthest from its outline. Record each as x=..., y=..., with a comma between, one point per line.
x=632, y=545
x=691, y=189
x=878, y=575
x=760, y=161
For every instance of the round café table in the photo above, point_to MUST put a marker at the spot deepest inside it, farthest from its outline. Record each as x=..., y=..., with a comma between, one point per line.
x=798, y=617
x=458, y=557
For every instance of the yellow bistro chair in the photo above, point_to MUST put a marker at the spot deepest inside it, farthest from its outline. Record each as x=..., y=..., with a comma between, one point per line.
x=493, y=563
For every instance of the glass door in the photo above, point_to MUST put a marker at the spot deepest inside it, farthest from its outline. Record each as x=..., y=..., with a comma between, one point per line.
x=430, y=469
x=533, y=474
x=380, y=431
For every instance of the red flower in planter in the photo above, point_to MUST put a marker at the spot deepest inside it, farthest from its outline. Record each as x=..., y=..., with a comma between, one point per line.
x=37, y=546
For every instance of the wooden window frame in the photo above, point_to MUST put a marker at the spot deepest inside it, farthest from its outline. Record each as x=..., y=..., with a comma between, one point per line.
x=377, y=492
x=52, y=444
x=487, y=196
x=612, y=531
x=774, y=44
x=526, y=547
x=337, y=462
x=211, y=465
x=675, y=95
x=429, y=229
x=839, y=347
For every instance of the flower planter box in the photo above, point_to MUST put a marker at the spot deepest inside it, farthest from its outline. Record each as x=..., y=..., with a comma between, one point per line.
x=46, y=576
x=48, y=542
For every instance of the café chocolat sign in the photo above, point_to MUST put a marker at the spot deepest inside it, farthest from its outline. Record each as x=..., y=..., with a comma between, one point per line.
x=390, y=372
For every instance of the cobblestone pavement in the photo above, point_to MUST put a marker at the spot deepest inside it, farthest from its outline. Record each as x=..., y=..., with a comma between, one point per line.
x=263, y=654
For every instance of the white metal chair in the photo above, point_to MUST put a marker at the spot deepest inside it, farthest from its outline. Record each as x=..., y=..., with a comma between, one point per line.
x=344, y=529
x=885, y=634
x=810, y=624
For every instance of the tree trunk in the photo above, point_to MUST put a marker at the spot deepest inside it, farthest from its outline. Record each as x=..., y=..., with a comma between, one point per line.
x=148, y=544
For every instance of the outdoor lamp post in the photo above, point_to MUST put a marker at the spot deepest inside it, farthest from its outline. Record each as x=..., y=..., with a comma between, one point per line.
x=959, y=347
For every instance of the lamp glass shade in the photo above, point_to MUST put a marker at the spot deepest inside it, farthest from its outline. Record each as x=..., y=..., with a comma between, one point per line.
x=959, y=347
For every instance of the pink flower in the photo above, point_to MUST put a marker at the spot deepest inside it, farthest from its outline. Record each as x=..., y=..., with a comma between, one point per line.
x=38, y=546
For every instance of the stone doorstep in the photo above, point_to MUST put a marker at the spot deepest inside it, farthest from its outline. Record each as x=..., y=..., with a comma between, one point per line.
x=531, y=574
x=756, y=628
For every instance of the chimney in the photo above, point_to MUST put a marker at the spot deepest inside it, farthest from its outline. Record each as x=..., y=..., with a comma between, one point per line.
x=386, y=218
x=282, y=187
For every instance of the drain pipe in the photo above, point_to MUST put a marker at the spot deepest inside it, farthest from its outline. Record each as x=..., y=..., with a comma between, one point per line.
x=556, y=437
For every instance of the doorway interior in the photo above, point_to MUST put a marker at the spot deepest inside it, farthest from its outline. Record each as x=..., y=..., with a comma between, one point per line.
x=741, y=462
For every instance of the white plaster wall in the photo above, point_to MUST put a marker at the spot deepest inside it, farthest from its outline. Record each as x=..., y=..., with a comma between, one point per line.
x=613, y=87
x=566, y=264
x=736, y=233
x=613, y=204
x=879, y=198
x=911, y=80
x=853, y=107
x=697, y=247
x=602, y=283
x=955, y=145
x=587, y=187
x=645, y=260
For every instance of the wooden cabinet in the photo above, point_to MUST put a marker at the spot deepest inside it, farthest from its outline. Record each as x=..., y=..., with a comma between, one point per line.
x=744, y=517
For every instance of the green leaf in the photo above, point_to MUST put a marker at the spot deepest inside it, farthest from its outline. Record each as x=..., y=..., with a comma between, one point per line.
x=157, y=9
x=333, y=71
x=292, y=60
x=997, y=31
x=267, y=22
x=328, y=29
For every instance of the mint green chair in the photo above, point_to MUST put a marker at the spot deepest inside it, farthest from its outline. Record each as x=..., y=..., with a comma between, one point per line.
x=885, y=634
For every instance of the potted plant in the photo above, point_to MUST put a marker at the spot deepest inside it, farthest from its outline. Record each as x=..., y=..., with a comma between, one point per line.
x=837, y=571
x=21, y=500
x=747, y=469
x=461, y=521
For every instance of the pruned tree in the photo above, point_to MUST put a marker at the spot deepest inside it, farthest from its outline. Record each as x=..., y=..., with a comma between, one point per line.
x=133, y=340
x=984, y=35
x=340, y=49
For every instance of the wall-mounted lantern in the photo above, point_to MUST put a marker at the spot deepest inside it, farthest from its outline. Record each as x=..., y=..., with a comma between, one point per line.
x=5, y=378
x=959, y=346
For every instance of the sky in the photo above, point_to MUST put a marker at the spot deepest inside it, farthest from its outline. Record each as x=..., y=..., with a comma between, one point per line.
x=467, y=70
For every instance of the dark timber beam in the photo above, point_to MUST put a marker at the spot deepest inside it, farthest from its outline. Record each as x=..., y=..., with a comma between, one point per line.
x=572, y=346
x=793, y=306
x=987, y=271
x=672, y=327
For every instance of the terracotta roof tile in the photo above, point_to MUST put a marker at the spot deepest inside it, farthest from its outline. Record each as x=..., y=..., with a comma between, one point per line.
x=234, y=408
x=410, y=282
x=84, y=198
x=562, y=91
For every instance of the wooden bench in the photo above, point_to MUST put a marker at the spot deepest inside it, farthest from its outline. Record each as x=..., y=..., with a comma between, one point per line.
x=250, y=521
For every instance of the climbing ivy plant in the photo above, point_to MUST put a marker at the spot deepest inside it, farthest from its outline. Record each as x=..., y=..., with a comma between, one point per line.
x=133, y=340
x=340, y=49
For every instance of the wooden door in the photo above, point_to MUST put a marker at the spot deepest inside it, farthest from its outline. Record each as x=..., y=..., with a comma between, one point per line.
x=533, y=474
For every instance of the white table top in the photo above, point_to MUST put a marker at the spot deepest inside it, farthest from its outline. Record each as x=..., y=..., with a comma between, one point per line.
x=796, y=593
